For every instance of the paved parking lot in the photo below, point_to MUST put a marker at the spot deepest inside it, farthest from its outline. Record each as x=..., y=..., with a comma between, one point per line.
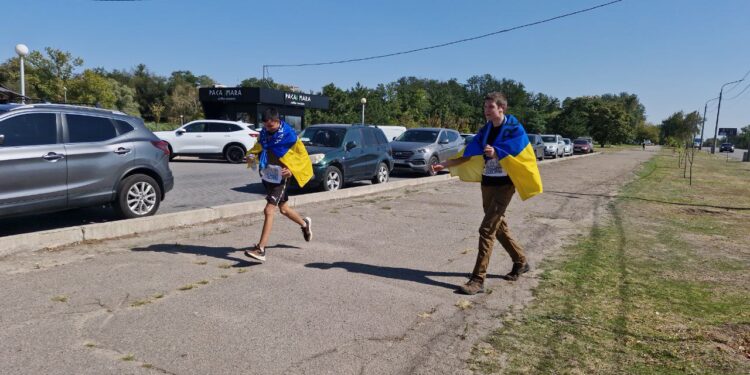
x=199, y=183
x=371, y=294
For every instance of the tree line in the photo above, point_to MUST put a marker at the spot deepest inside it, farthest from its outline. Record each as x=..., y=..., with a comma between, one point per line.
x=58, y=76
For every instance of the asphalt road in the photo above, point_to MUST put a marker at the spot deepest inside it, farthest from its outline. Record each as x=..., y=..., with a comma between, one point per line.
x=199, y=183
x=373, y=293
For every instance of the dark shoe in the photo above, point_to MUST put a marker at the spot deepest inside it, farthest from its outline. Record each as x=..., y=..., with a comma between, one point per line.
x=257, y=253
x=307, y=229
x=518, y=270
x=472, y=287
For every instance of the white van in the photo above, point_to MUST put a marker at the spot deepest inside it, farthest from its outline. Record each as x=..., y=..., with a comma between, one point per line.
x=391, y=131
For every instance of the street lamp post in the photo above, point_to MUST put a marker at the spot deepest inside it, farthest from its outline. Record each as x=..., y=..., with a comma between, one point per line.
x=718, y=110
x=705, y=107
x=363, y=101
x=65, y=94
x=22, y=51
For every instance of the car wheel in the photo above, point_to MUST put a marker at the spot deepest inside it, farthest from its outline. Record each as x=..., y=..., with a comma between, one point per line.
x=234, y=154
x=433, y=160
x=138, y=196
x=381, y=175
x=333, y=180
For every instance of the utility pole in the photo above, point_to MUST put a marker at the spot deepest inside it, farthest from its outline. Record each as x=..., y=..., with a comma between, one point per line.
x=718, y=110
x=705, y=108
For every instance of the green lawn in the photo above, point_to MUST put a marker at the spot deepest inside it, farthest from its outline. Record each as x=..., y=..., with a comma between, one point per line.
x=662, y=287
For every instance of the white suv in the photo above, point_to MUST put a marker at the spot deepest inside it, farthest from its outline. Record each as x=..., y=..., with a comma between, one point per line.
x=227, y=139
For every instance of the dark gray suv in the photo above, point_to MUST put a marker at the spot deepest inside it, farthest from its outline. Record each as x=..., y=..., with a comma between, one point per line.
x=55, y=157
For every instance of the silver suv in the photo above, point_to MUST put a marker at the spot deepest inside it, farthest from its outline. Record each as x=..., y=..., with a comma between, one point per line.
x=55, y=157
x=418, y=148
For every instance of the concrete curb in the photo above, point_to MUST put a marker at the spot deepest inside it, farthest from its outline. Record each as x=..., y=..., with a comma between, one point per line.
x=114, y=229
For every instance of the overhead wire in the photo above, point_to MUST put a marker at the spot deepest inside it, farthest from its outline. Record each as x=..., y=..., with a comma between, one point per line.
x=738, y=82
x=741, y=92
x=265, y=67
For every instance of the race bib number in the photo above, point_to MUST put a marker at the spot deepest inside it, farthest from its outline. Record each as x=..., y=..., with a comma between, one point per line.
x=492, y=168
x=272, y=174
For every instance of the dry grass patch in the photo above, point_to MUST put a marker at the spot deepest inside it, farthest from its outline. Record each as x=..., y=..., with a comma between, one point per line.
x=649, y=292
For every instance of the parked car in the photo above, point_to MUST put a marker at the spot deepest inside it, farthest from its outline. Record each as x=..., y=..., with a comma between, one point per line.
x=55, y=157
x=467, y=137
x=553, y=145
x=538, y=145
x=227, y=139
x=346, y=153
x=391, y=131
x=728, y=147
x=568, y=148
x=582, y=146
x=418, y=148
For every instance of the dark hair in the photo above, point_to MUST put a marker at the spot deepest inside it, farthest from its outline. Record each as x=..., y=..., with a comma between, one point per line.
x=270, y=114
x=498, y=98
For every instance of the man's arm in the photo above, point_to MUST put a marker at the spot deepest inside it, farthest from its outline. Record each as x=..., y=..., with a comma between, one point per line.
x=450, y=163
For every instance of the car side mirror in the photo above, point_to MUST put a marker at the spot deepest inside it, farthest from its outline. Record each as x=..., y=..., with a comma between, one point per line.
x=2, y=139
x=444, y=141
x=180, y=131
x=350, y=145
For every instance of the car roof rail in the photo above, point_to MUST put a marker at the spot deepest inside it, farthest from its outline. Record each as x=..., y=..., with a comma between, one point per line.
x=74, y=106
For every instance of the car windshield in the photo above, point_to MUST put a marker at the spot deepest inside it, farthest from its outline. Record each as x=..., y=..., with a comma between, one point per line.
x=726, y=144
x=425, y=136
x=549, y=138
x=323, y=137
x=581, y=142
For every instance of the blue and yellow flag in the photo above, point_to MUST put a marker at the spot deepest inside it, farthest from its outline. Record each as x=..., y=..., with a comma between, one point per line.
x=285, y=144
x=515, y=154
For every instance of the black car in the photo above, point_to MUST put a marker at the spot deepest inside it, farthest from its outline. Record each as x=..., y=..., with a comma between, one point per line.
x=726, y=147
x=537, y=144
x=347, y=153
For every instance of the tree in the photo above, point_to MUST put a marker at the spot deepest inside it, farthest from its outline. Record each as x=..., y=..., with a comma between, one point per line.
x=680, y=127
x=149, y=89
x=267, y=83
x=608, y=123
x=90, y=88
x=125, y=98
x=157, y=109
x=646, y=131
x=184, y=102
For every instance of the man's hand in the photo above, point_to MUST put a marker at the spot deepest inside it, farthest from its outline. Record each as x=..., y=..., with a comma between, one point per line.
x=489, y=151
x=437, y=167
x=252, y=162
x=286, y=173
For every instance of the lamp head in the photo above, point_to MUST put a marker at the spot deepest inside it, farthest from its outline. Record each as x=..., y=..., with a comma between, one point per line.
x=22, y=50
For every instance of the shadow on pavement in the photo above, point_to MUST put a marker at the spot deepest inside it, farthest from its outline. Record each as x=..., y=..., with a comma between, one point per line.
x=406, y=274
x=216, y=252
x=57, y=220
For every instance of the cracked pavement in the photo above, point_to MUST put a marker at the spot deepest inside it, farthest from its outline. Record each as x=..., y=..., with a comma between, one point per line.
x=373, y=293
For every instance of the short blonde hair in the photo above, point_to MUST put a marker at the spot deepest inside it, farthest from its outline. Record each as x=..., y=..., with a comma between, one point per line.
x=498, y=98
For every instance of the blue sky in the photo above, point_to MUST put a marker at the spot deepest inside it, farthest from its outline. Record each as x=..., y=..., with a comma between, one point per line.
x=674, y=54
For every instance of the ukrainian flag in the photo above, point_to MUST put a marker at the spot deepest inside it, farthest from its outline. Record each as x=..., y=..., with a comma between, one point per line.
x=288, y=148
x=514, y=151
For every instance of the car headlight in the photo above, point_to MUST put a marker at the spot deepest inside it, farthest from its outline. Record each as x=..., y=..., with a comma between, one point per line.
x=317, y=158
x=421, y=151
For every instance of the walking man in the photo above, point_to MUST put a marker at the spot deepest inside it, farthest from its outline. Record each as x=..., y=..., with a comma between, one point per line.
x=502, y=159
x=280, y=155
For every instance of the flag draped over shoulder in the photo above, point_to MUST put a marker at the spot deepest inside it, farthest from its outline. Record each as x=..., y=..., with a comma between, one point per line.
x=285, y=144
x=514, y=152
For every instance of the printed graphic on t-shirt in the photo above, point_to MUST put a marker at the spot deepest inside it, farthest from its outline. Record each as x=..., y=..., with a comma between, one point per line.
x=492, y=168
x=271, y=173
